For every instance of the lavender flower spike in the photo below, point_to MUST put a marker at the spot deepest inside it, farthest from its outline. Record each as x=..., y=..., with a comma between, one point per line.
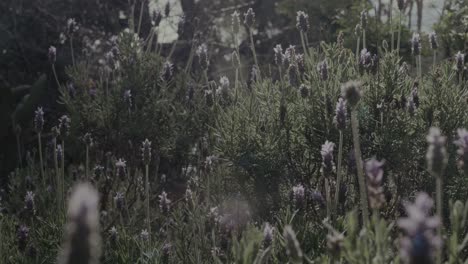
x=436, y=154
x=39, y=120
x=249, y=18
x=374, y=173
x=416, y=44
x=302, y=21
x=462, y=144
x=341, y=114
x=328, y=166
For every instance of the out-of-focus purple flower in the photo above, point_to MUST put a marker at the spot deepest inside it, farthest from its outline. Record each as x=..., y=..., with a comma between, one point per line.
x=416, y=44
x=164, y=202
x=358, y=30
x=144, y=235
x=22, y=234
x=289, y=56
x=278, y=50
x=235, y=23
x=322, y=68
x=293, y=75
x=88, y=139
x=249, y=18
x=166, y=250
x=64, y=125
x=298, y=195
x=374, y=173
x=351, y=92
x=146, y=151
x=364, y=19
x=341, y=114
x=202, y=55
x=365, y=60
x=302, y=21
x=460, y=61
x=127, y=97
x=401, y=4
x=52, y=54
x=121, y=166
x=300, y=64
x=462, y=144
x=29, y=202
x=436, y=153
x=39, y=120
x=119, y=200
x=268, y=232
x=328, y=166
x=335, y=242
x=72, y=26
x=304, y=90
x=113, y=234
x=420, y=241
x=167, y=71
x=434, y=44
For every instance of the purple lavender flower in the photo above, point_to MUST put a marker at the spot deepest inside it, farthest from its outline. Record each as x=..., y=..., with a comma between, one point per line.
x=416, y=44
x=358, y=30
x=335, y=243
x=433, y=41
x=127, y=97
x=164, y=202
x=293, y=75
x=235, y=23
x=351, y=92
x=52, y=54
x=72, y=26
x=268, y=232
x=304, y=91
x=223, y=89
x=420, y=241
x=462, y=144
x=64, y=125
x=113, y=234
x=119, y=200
x=121, y=165
x=29, y=202
x=374, y=173
x=144, y=235
x=166, y=250
x=340, y=114
x=249, y=18
x=22, y=234
x=300, y=64
x=167, y=71
x=328, y=166
x=436, y=153
x=298, y=195
x=202, y=55
x=322, y=68
x=278, y=50
x=289, y=56
x=88, y=139
x=364, y=19
x=146, y=151
x=460, y=61
x=365, y=60
x=302, y=21
x=39, y=120
x=401, y=4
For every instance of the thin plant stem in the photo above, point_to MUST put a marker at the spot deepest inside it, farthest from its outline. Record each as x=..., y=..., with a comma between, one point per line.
x=338, y=173
x=399, y=33
x=328, y=197
x=55, y=75
x=358, y=157
x=364, y=39
x=40, y=157
x=72, y=52
x=57, y=175
x=420, y=67
x=391, y=27
x=141, y=16
x=304, y=47
x=62, y=190
x=434, y=59
x=357, y=50
x=252, y=46
x=147, y=197
x=87, y=163
x=236, y=41
x=439, y=213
